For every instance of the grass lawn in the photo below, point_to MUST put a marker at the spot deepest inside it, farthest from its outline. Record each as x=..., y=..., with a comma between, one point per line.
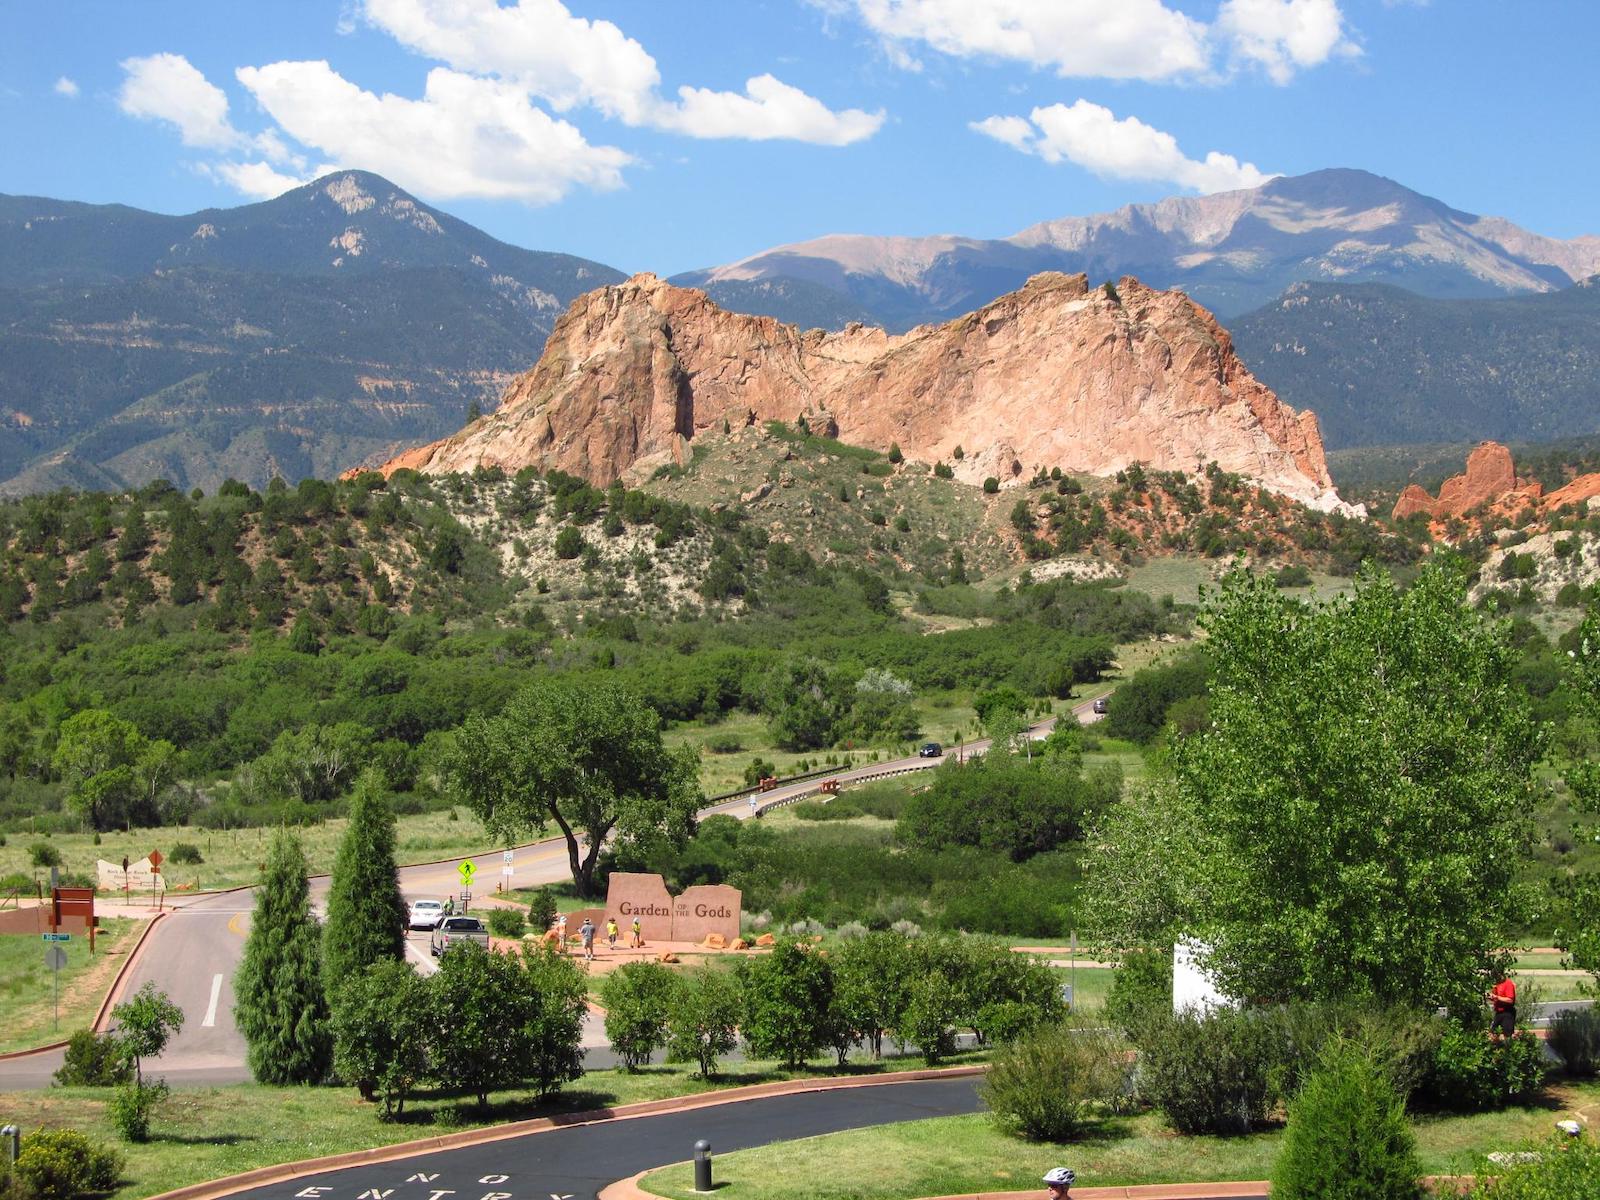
x=26, y=989
x=956, y=1155
x=232, y=857
x=205, y=1133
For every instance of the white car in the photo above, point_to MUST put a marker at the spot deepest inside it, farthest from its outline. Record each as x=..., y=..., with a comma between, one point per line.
x=425, y=914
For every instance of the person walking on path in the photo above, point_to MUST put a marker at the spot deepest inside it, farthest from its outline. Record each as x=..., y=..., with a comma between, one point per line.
x=1503, y=996
x=636, y=935
x=1059, y=1181
x=611, y=932
x=586, y=933
x=561, y=933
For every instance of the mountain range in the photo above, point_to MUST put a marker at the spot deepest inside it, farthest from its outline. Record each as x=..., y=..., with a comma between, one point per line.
x=1232, y=251
x=290, y=337
x=345, y=319
x=1380, y=365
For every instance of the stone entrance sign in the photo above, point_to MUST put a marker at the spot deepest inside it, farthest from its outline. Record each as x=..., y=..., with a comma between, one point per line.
x=691, y=917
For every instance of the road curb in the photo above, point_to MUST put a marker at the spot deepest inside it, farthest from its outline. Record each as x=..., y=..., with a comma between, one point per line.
x=630, y=1189
x=107, y=1003
x=281, y=1172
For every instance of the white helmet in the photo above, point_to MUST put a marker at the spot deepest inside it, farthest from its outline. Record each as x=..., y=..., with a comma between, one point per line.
x=1060, y=1176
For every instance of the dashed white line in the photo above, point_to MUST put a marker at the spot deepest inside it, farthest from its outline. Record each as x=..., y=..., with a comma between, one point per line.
x=211, y=1008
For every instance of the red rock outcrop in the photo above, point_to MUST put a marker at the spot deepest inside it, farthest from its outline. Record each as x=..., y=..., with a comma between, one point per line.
x=1490, y=479
x=1054, y=374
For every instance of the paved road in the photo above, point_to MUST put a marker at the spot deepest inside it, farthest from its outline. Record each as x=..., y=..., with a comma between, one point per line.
x=193, y=953
x=576, y=1163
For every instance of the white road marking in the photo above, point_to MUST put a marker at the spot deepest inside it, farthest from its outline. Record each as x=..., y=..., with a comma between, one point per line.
x=424, y=962
x=211, y=1009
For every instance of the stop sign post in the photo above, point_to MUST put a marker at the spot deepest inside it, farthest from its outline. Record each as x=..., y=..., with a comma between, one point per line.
x=155, y=877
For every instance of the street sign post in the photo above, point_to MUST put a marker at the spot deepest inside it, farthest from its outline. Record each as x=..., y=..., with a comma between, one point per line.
x=56, y=937
x=55, y=958
x=155, y=877
x=466, y=870
x=506, y=864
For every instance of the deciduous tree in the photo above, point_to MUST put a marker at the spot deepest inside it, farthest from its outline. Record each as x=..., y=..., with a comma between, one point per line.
x=587, y=757
x=1363, y=792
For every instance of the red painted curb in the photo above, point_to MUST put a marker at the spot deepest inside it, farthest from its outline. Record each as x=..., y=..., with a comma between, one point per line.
x=107, y=1002
x=279, y=1172
x=631, y=1189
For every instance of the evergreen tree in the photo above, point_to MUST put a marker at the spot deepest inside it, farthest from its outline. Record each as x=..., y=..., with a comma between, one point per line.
x=282, y=1009
x=1348, y=1138
x=366, y=913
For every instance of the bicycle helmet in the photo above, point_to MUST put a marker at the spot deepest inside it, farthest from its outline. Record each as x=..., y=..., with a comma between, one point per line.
x=1059, y=1177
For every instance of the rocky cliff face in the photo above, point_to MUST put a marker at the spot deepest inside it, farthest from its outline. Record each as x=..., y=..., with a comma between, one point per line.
x=1490, y=483
x=1054, y=374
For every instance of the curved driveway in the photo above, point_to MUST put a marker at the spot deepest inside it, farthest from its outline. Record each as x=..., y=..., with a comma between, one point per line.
x=193, y=953
x=575, y=1163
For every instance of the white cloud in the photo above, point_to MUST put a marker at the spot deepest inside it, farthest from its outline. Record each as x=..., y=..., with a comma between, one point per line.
x=1109, y=39
x=1283, y=36
x=167, y=87
x=570, y=61
x=258, y=179
x=567, y=60
x=1092, y=137
x=466, y=137
x=66, y=87
x=768, y=109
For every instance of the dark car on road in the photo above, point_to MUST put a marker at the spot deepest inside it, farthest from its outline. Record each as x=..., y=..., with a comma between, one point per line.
x=1102, y=705
x=930, y=750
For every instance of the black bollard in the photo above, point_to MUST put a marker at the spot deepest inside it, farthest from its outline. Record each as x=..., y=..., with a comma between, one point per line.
x=702, y=1166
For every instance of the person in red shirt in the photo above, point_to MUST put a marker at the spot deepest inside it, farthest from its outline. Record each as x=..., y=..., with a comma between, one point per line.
x=1503, y=996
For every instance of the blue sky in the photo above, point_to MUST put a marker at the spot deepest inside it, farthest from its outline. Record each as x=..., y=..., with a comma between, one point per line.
x=670, y=134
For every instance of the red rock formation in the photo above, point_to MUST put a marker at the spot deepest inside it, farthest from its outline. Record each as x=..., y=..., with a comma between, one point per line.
x=1054, y=374
x=1490, y=479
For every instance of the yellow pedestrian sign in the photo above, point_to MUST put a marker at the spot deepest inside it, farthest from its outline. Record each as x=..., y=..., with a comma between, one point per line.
x=466, y=870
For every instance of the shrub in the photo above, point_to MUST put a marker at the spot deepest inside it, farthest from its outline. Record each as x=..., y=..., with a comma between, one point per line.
x=186, y=853
x=1007, y=1020
x=94, y=1060
x=569, y=542
x=928, y=1018
x=380, y=1031
x=43, y=854
x=507, y=922
x=991, y=485
x=131, y=1106
x=1472, y=1072
x=1213, y=1072
x=1554, y=1170
x=542, y=909
x=1347, y=1138
x=1141, y=990
x=1575, y=1038
x=1047, y=1085
x=638, y=998
x=816, y=810
x=704, y=1022
x=788, y=995
x=59, y=1164
x=1295, y=575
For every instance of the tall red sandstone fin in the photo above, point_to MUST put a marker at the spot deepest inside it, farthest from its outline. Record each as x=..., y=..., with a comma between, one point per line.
x=1056, y=374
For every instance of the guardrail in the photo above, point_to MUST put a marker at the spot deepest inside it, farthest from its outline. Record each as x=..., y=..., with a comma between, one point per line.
x=886, y=773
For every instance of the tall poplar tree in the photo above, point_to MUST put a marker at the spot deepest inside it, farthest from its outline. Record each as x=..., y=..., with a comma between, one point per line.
x=281, y=1007
x=366, y=913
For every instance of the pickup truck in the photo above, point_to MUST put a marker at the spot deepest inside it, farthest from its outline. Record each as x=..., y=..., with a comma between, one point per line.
x=453, y=931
